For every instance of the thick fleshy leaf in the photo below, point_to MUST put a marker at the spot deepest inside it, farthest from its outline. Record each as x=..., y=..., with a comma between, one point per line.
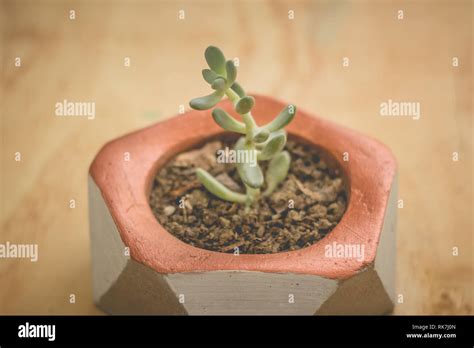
x=238, y=89
x=272, y=147
x=227, y=122
x=231, y=71
x=277, y=171
x=218, y=189
x=261, y=135
x=240, y=144
x=206, y=102
x=244, y=105
x=282, y=119
x=272, y=135
x=216, y=60
x=250, y=174
x=209, y=75
x=219, y=84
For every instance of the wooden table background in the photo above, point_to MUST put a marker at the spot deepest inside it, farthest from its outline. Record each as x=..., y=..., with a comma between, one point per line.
x=297, y=60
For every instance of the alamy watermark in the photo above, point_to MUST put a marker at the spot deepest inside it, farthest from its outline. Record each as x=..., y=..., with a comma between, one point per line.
x=237, y=156
x=28, y=330
x=394, y=108
x=81, y=109
x=338, y=250
x=21, y=251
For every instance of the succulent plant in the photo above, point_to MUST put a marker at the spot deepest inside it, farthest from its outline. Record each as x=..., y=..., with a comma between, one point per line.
x=266, y=141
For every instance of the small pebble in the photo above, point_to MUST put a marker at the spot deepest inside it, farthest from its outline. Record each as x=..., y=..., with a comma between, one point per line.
x=224, y=222
x=261, y=231
x=169, y=210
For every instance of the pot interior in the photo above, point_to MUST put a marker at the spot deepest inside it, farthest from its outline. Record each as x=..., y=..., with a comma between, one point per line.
x=166, y=208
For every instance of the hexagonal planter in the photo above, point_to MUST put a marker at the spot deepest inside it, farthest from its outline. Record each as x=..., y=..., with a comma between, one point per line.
x=140, y=268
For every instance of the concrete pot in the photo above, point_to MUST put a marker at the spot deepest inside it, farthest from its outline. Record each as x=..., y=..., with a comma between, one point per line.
x=140, y=268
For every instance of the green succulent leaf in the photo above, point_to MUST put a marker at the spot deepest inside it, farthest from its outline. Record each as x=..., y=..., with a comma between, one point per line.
x=231, y=72
x=206, y=102
x=209, y=75
x=272, y=135
x=218, y=189
x=272, y=147
x=216, y=60
x=282, y=119
x=238, y=89
x=244, y=105
x=277, y=171
x=261, y=135
x=240, y=144
x=250, y=174
x=227, y=122
x=219, y=84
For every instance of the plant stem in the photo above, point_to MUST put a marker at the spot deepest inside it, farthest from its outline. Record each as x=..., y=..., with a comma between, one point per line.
x=252, y=194
x=250, y=125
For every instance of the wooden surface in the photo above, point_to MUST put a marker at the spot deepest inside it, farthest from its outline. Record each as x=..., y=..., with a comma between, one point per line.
x=297, y=60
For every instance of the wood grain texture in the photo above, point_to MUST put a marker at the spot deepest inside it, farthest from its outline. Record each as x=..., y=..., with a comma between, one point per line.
x=296, y=60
